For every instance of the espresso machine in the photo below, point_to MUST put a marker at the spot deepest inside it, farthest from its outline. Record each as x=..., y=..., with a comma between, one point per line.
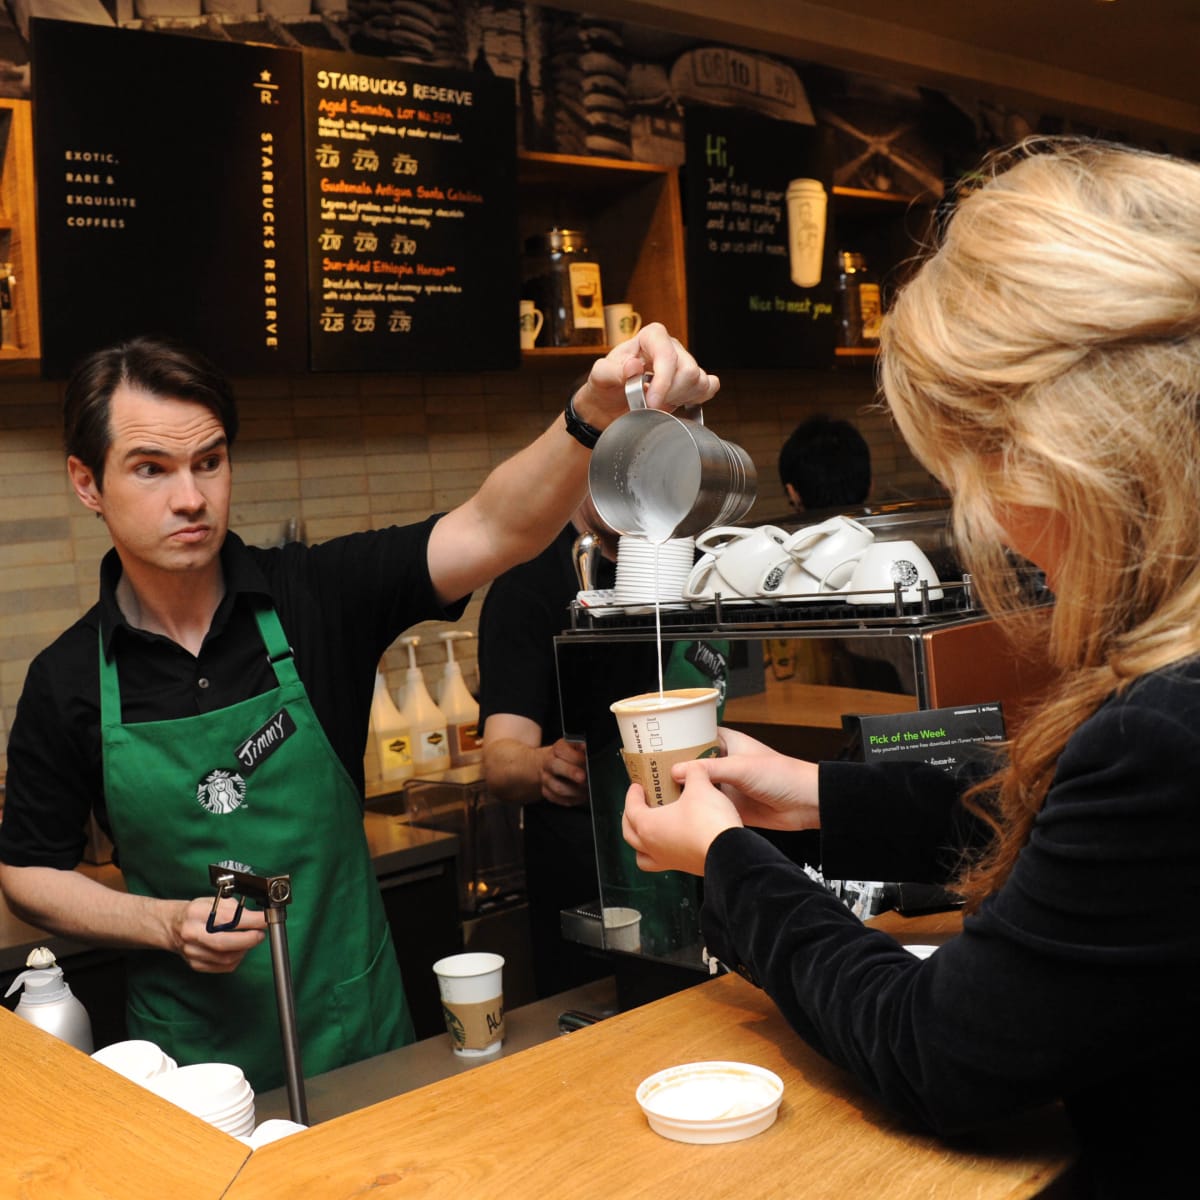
x=796, y=674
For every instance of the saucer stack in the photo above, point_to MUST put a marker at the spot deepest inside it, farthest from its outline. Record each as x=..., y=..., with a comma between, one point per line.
x=638, y=573
x=216, y=1092
x=135, y=1059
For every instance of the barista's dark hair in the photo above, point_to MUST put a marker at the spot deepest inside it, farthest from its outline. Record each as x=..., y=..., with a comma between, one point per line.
x=155, y=365
x=827, y=461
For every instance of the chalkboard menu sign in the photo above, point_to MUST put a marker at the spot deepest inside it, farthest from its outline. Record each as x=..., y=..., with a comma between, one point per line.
x=761, y=268
x=169, y=173
x=411, y=212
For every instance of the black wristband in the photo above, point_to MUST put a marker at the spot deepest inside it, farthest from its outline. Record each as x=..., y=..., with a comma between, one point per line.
x=586, y=435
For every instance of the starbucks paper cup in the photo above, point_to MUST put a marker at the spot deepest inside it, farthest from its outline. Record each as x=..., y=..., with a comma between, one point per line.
x=472, y=991
x=660, y=730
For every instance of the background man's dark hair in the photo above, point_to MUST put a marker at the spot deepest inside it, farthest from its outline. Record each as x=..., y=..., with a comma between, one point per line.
x=827, y=463
x=154, y=365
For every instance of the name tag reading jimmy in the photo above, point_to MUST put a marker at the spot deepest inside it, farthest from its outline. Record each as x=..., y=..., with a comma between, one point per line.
x=263, y=742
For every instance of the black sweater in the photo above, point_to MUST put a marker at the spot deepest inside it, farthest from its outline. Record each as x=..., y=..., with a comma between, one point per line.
x=1078, y=980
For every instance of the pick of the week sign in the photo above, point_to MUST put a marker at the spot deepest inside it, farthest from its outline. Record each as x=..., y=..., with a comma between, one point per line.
x=941, y=737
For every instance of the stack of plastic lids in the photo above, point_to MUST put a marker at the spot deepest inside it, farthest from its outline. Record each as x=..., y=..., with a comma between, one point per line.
x=218, y=1093
x=136, y=1060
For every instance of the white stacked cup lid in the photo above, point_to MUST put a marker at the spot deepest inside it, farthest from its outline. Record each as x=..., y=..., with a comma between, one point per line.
x=218, y=1093
x=135, y=1059
x=647, y=571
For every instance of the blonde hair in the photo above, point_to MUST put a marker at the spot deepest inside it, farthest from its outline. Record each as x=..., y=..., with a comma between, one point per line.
x=1048, y=355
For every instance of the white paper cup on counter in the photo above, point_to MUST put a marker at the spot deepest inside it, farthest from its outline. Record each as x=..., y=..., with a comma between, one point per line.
x=659, y=730
x=622, y=928
x=472, y=991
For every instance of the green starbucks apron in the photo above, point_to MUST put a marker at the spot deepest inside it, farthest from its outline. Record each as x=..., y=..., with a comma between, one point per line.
x=256, y=783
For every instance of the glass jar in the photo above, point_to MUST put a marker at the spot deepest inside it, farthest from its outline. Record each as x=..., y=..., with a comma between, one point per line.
x=861, y=308
x=564, y=282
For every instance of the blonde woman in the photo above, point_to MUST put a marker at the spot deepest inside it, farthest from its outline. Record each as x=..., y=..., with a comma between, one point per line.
x=1045, y=365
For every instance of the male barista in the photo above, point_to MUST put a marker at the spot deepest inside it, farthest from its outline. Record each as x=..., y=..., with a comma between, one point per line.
x=213, y=705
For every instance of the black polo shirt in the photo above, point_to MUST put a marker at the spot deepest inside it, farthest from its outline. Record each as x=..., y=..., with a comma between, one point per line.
x=341, y=604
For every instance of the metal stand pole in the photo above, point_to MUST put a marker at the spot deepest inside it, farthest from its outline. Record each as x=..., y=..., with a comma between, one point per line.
x=284, y=999
x=275, y=891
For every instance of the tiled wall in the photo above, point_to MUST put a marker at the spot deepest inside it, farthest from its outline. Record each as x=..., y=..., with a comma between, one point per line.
x=341, y=453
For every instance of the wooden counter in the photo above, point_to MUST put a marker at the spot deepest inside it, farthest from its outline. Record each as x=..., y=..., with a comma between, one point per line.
x=561, y=1120
x=75, y=1130
x=557, y=1120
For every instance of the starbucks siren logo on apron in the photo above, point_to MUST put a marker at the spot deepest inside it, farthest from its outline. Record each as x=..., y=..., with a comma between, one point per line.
x=221, y=791
x=224, y=789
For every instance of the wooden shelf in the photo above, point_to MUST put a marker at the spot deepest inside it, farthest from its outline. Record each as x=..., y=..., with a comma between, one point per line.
x=633, y=218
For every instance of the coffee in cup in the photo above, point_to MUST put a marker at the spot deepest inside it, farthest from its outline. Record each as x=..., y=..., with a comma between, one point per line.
x=660, y=729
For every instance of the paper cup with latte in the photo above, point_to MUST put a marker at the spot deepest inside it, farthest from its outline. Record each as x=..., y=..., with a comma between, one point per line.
x=659, y=730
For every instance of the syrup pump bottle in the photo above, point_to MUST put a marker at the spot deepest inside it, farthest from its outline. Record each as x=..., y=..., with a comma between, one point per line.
x=459, y=707
x=48, y=1002
x=423, y=718
x=391, y=738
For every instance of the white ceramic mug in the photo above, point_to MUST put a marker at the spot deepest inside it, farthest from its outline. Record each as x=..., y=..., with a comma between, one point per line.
x=877, y=569
x=621, y=322
x=786, y=579
x=531, y=324
x=701, y=584
x=741, y=556
x=828, y=551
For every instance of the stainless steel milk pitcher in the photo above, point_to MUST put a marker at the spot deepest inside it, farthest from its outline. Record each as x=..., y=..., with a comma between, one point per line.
x=659, y=475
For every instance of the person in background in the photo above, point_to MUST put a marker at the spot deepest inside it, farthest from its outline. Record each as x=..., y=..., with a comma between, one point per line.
x=825, y=463
x=526, y=759
x=213, y=705
x=1045, y=364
